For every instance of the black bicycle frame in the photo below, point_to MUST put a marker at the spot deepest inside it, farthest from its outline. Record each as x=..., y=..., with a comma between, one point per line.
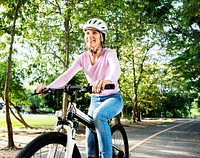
x=74, y=113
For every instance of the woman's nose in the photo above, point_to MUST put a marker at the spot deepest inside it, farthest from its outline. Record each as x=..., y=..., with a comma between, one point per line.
x=90, y=35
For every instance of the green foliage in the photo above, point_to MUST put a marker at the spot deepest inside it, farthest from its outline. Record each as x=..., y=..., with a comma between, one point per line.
x=176, y=104
x=16, y=86
x=157, y=43
x=32, y=120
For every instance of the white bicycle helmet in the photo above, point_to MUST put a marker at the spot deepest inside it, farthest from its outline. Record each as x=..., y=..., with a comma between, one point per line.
x=97, y=24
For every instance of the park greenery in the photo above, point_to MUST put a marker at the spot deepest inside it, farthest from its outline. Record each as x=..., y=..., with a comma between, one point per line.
x=37, y=121
x=157, y=42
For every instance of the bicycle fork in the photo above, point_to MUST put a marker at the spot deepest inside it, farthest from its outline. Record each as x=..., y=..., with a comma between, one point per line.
x=71, y=132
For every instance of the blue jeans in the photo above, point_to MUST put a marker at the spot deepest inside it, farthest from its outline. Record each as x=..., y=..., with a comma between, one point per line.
x=102, y=108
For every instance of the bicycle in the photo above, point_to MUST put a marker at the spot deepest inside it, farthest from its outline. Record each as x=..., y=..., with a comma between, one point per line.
x=61, y=142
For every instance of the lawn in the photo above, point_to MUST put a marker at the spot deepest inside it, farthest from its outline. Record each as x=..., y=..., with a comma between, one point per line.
x=34, y=120
x=195, y=113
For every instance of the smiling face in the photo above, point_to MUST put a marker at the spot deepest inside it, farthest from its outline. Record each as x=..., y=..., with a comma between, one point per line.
x=93, y=39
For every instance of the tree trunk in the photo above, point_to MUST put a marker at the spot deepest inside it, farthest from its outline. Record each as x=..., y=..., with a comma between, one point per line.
x=134, y=109
x=64, y=105
x=118, y=117
x=67, y=34
x=8, y=76
x=139, y=114
x=20, y=118
x=9, y=127
x=135, y=99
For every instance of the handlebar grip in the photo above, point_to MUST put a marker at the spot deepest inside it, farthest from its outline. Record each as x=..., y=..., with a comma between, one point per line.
x=45, y=90
x=109, y=86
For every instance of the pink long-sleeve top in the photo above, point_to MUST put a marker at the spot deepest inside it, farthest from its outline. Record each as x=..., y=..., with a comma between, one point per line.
x=107, y=67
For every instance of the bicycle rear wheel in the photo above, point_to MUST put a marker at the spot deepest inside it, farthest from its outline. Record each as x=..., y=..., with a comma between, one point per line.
x=120, y=142
x=39, y=147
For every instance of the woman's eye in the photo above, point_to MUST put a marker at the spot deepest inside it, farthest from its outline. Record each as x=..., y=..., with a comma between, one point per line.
x=87, y=33
x=91, y=32
x=95, y=32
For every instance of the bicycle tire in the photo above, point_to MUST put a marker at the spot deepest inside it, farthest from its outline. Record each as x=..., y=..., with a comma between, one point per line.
x=120, y=142
x=41, y=142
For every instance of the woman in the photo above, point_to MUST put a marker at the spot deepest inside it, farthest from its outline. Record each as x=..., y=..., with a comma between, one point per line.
x=101, y=67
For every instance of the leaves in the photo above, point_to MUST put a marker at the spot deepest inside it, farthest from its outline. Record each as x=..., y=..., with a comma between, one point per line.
x=157, y=43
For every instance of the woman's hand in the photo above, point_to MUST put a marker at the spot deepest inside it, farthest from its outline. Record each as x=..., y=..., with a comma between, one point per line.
x=100, y=85
x=40, y=88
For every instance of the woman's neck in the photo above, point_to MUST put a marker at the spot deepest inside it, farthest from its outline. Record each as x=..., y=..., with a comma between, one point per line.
x=94, y=56
x=96, y=52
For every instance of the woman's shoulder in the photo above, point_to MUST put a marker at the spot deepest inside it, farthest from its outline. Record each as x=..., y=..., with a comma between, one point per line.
x=83, y=54
x=109, y=51
x=80, y=58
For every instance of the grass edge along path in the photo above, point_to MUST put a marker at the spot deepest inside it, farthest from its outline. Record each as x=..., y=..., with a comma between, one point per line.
x=34, y=120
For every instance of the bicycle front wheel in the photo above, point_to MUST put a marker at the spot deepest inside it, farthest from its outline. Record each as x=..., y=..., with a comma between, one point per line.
x=120, y=142
x=39, y=147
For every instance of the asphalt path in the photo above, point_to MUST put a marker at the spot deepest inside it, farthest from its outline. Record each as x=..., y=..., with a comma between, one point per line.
x=177, y=139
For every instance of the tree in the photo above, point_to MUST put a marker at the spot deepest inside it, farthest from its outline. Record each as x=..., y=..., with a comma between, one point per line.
x=7, y=83
x=145, y=34
x=179, y=25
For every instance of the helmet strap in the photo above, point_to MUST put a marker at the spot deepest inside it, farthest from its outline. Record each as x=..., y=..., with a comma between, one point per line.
x=103, y=40
x=95, y=51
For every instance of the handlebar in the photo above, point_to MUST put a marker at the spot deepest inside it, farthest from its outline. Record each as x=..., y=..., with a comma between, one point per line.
x=68, y=88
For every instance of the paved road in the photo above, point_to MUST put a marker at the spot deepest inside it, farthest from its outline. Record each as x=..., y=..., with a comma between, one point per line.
x=178, y=139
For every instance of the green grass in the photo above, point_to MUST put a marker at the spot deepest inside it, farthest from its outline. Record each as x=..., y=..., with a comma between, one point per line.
x=48, y=120
x=195, y=113
x=32, y=120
